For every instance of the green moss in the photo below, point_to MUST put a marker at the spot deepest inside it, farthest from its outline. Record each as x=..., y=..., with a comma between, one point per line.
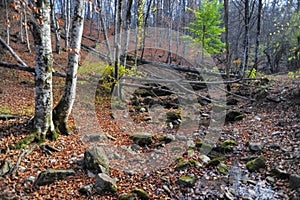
x=186, y=181
x=182, y=165
x=142, y=194
x=126, y=196
x=239, y=117
x=194, y=162
x=226, y=146
x=21, y=144
x=214, y=162
x=222, y=168
x=256, y=164
x=202, y=146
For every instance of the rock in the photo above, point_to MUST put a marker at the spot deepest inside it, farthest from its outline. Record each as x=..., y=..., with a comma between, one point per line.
x=294, y=181
x=141, y=194
x=186, y=181
x=297, y=134
x=204, y=147
x=5, y=167
x=204, y=158
x=94, y=158
x=147, y=118
x=95, y=137
x=167, y=139
x=125, y=196
x=270, y=179
x=255, y=146
x=135, y=147
x=234, y=115
x=182, y=165
x=142, y=139
x=190, y=144
x=222, y=168
x=142, y=110
x=276, y=133
x=274, y=98
x=274, y=146
x=232, y=102
x=214, y=162
x=113, y=115
x=172, y=116
x=226, y=146
x=256, y=164
x=49, y=176
x=86, y=189
x=281, y=174
x=105, y=184
x=29, y=179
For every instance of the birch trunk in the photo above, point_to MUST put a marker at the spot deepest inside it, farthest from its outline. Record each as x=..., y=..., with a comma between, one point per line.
x=7, y=23
x=63, y=108
x=43, y=124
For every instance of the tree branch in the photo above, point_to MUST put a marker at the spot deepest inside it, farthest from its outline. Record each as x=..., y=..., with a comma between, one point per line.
x=12, y=52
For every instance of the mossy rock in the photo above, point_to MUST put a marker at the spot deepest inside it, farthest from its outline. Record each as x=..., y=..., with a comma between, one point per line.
x=126, y=196
x=186, y=181
x=281, y=174
x=141, y=194
x=203, y=147
x=172, y=116
x=234, y=115
x=195, y=162
x=182, y=165
x=214, y=162
x=222, y=168
x=142, y=139
x=256, y=164
x=226, y=146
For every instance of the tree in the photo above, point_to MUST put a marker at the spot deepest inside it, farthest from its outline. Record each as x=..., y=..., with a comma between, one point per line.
x=206, y=27
x=64, y=107
x=43, y=125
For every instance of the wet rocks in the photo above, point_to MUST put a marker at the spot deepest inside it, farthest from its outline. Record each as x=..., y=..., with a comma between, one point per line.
x=95, y=159
x=142, y=139
x=105, y=184
x=256, y=164
x=51, y=175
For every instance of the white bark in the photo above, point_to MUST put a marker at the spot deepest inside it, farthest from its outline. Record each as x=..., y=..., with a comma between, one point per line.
x=43, y=71
x=64, y=107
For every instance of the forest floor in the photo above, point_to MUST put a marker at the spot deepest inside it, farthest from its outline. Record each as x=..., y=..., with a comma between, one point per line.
x=271, y=121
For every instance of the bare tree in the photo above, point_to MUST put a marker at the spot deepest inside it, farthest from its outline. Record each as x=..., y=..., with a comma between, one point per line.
x=63, y=109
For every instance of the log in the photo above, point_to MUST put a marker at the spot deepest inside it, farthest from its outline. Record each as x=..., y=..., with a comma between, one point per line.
x=12, y=52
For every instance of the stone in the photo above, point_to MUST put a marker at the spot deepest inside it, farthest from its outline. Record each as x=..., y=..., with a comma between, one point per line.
x=204, y=158
x=294, y=181
x=255, y=146
x=94, y=158
x=182, y=165
x=141, y=194
x=186, y=181
x=256, y=164
x=297, y=134
x=29, y=179
x=203, y=147
x=5, y=167
x=126, y=196
x=95, y=137
x=234, y=115
x=86, y=189
x=105, y=184
x=270, y=179
x=226, y=146
x=49, y=176
x=281, y=174
x=222, y=168
x=274, y=98
x=172, y=116
x=142, y=139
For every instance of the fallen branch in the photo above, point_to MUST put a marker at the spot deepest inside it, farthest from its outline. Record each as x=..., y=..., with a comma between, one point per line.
x=26, y=68
x=24, y=153
x=12, y=52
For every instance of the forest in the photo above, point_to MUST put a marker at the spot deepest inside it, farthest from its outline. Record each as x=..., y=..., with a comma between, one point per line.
x=150, y=99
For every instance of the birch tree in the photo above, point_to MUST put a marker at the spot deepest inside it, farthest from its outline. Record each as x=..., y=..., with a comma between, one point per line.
x=64, y=107
x=43, y=125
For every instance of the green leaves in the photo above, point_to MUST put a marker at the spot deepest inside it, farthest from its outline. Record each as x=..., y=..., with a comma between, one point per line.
x=206, y=27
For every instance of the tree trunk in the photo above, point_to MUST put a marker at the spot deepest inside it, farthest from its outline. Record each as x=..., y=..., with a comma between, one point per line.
x=226, y=12
x=64, y=107
x=7, y=23
x=26, y=31
x=67, y=21
x=55, y=26
x=257, y=42
x=43, y=124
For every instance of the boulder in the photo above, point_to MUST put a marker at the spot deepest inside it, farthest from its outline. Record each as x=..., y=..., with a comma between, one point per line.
x=256, y=164
x=294, y=181
x=255, y=146
x=142, y=139
x=186, y=181
x=95, y=159
x=141, y=194
x=5, y=167
x=86, y=189
x=49, y=176
x=105, y=184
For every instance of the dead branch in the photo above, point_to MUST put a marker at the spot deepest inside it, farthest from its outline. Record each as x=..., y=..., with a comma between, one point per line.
x=12, y=52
